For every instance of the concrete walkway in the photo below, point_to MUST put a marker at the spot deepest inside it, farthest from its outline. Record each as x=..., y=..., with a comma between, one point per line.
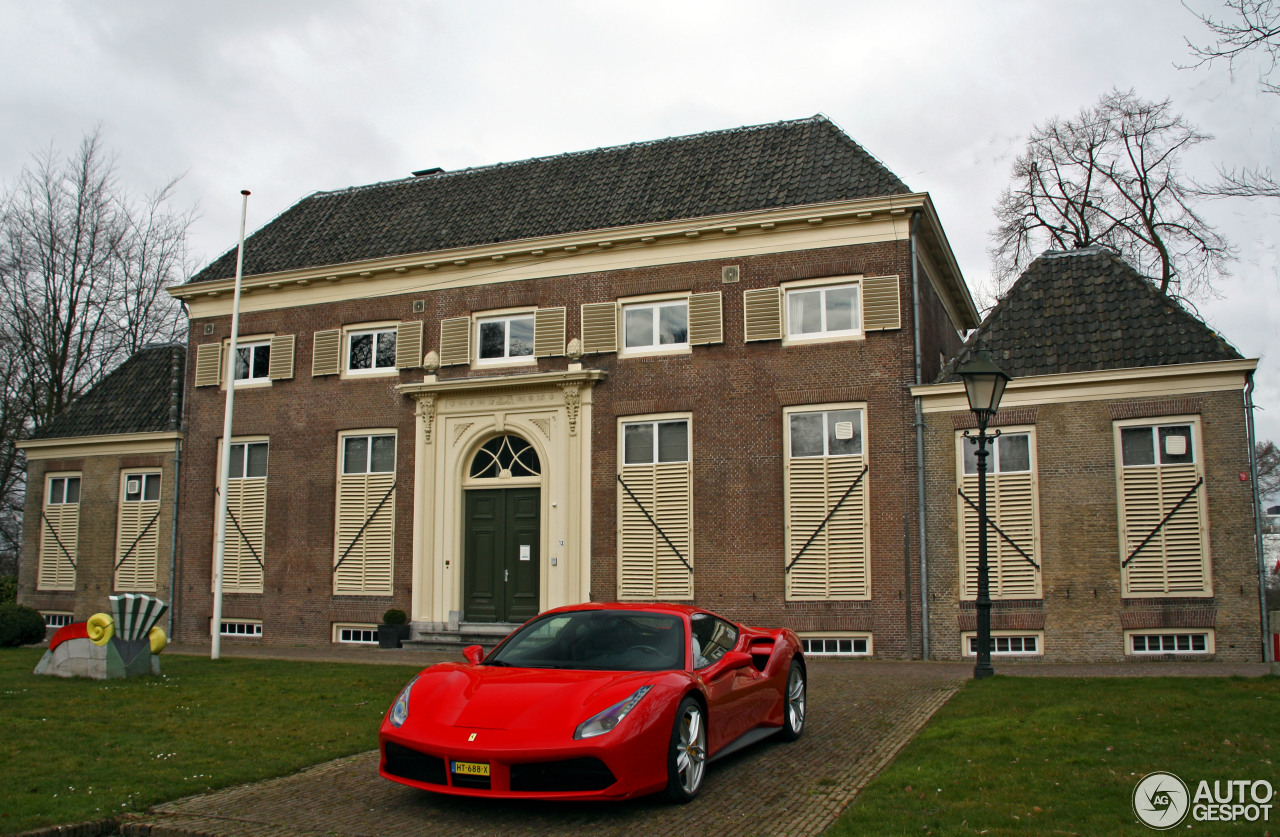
x=861, y=715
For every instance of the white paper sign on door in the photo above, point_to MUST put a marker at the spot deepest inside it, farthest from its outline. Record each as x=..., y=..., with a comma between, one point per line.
x=526, y=553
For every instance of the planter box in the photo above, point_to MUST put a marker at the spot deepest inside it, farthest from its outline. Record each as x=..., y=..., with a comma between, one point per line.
x=390, y=636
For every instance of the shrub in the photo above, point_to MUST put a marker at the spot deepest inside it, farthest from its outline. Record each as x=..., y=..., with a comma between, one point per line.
x=20, y=626
x=394, y=616
x=8, y=589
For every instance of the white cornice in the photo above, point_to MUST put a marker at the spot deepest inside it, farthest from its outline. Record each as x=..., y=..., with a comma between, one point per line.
x=1140, y=382
x=106, y=445
x=686, y=240
x=494, y=383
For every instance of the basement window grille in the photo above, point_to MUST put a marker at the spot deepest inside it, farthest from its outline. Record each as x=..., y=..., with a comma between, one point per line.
x=856, y=645
x=1189, y=643
x=356, y=634
x=243, y=628
x=56, y=620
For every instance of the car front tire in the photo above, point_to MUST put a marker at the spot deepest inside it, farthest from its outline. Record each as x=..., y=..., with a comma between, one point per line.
x=794, y=703
x=687, y=755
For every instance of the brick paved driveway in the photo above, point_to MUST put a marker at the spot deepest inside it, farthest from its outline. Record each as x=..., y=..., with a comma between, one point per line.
x=860, y=716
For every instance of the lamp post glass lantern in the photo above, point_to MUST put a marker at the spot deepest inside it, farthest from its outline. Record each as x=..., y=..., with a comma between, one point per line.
x=984, y=384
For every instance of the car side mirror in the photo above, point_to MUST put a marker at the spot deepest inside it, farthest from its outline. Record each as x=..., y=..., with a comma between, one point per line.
x=474, y=654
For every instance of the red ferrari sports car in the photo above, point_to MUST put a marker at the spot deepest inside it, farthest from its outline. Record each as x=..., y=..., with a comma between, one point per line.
x=596, y=701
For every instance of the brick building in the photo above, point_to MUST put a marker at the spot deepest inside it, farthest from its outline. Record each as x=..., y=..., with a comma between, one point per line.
x=671, y=370
x=99, y=516
x=1118, y=483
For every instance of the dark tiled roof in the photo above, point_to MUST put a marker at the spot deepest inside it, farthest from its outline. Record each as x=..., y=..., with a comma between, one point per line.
x=135, y=398
x=1084, y=311
x=784, y=164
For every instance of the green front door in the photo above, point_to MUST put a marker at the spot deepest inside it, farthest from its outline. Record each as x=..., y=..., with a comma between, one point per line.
x=500, y=561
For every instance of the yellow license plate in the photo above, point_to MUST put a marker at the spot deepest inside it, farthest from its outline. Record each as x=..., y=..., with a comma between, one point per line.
x=470, y=768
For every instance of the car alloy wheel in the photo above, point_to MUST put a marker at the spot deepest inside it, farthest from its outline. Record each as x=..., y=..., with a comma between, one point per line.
x=687, y=760
x=795, y=702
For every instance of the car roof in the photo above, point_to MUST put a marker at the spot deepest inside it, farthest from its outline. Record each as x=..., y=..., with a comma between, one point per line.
x=646, y=607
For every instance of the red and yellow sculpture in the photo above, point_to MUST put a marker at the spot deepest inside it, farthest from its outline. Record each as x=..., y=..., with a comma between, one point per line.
x=123, y=643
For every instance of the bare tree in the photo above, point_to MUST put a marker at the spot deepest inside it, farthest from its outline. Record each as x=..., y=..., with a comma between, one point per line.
x=1268, y=456
x=1111, y=175
x=83, y=268
x=1251, y=26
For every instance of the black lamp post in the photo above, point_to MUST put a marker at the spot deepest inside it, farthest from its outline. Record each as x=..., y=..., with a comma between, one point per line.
x=984, y=384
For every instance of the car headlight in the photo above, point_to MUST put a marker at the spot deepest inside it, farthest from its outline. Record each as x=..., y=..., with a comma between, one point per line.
x=400, y=709
x=611, y=717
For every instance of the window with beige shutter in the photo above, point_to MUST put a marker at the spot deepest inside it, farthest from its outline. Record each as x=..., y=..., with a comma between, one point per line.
x=59, y=532
x=827, y=508
x=599, y=327
x=138, y=532
x=762, y=314
x=1013, y=544
x=244, y=556
x=364, y=546
x=655, y=510
x=1164, y=548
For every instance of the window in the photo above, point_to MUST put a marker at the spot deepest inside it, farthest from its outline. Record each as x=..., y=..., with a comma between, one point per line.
x=372, y=350
x=356, y=634
x=712, y=638
x=1164, y=545
x=244, y=629
x=824, y=311
x=244, y=555
x=59, y=533
x=645, y=443
x=837, y=645
x=1198, y=642
x=505, y=457
x=656, y=326
x=368, y=454
x=138, y=532
x=365, y=519
x=56, y=620
x=655, y=509
x=1008, y=453
x=501, y=339
x=1012, y=505
x=1005, y=644
x=253, y=362
x=827, y=504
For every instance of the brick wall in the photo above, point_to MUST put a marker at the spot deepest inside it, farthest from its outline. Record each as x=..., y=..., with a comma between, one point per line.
x=99, y=511
x=736, y=392
x=1082, y=613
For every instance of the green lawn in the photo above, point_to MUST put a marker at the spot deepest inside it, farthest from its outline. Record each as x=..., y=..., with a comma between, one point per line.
x=1031, y=755
x=77, y=750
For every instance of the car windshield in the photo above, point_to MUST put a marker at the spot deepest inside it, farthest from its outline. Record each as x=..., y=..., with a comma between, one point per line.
x=596, y=640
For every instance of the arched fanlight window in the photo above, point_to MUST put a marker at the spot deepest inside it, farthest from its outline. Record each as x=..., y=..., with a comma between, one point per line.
x=505, y=456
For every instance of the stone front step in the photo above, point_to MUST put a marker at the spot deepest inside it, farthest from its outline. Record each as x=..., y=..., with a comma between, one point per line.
x=485, y=634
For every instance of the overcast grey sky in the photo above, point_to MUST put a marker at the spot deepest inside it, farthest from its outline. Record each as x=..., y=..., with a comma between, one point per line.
x=288, y=98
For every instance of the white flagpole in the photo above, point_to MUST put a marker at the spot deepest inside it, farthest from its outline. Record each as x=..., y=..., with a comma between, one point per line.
x=224, y=473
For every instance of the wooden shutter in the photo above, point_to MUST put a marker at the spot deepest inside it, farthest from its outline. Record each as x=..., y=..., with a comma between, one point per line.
x=209, y=364
x=281, y=366
x=326, y=352
x=55, y=570
x=366, y=569
x=409, y=345
x=455, y=341
x=1174, y=561
x=1011, y=504
x=835, y=564
x=706, y=320
x=881, y=306
x=142, y=543
x=247, y=500
x=548, y=332
x=762, y=314
x=647, y=566
x=599, y=327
